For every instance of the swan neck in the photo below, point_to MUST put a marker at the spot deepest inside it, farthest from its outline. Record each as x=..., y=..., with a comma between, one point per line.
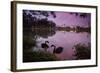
x=46, y=42
x=54, y=46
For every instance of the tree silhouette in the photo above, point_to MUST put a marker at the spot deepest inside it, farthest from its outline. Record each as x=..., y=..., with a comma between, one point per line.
x=81, y=15
x=82, y=51
x=37, y=18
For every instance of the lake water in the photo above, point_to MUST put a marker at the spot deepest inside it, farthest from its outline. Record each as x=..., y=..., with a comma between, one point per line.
x=65, y=39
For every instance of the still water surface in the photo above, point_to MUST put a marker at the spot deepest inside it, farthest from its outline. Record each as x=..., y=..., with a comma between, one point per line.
x=64, y=39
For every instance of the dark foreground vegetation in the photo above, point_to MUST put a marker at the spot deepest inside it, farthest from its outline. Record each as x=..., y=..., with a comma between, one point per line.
x=82, y=51
x=38, y=56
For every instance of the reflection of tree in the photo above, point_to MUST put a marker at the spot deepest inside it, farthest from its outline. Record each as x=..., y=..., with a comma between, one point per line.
x=82, y=51
x=43, y=32
x=76, y=29
x=83, y=29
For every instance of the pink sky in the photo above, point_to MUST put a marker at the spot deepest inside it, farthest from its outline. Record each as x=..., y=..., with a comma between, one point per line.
x=70, y=19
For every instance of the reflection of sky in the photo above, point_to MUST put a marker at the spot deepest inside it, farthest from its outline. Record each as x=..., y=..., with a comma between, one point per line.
x=66, y=40
x=70, y=19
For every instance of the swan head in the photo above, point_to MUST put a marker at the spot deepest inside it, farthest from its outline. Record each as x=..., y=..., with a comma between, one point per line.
x=53, y=46
x=46, y=41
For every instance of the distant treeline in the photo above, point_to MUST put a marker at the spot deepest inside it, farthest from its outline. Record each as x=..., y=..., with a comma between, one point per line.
x=77, y=29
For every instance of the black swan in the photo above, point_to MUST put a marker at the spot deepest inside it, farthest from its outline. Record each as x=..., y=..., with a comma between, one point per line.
x=45, y=45
x=57, y=50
